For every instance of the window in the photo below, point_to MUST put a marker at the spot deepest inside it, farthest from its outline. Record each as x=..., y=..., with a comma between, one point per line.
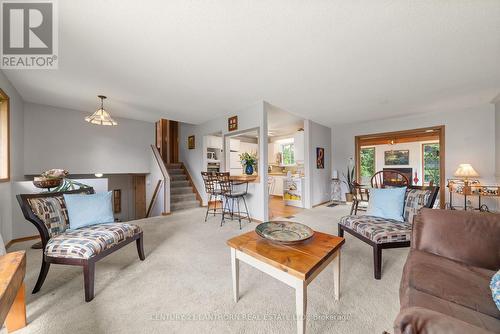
x=4, y=137
x=430, y=153
x=287, y=150
x=367, y=163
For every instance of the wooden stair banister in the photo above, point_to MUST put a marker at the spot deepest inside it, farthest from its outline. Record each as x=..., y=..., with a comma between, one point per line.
x=166, y=180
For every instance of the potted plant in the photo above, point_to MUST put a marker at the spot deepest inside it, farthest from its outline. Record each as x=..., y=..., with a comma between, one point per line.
x=349, y=180
x=248, y=160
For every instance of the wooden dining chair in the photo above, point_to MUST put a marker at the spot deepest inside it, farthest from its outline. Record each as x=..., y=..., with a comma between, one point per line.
x=389, y=178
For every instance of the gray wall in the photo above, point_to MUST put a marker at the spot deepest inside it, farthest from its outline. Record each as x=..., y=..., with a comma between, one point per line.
x=60, y=138
x=7, y=199
x=320, y=179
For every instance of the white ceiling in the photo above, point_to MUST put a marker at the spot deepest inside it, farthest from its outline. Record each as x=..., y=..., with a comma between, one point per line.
x=329, y=61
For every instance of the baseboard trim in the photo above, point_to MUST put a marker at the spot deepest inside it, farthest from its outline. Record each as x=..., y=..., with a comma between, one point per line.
x=14, y=241
x=320, y=204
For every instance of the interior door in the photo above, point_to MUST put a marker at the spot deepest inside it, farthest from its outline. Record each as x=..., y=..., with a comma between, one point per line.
x=140, y=196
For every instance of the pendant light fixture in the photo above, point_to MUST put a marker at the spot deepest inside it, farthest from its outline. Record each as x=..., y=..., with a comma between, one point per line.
x=101, y=116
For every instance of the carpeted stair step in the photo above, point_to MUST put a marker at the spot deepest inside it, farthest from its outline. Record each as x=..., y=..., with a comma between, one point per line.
x=176, y=171
x=178, y=177
x=176, y=198
x=174, y=166
x=179, y=184
x=184, y=205
x=181, y=190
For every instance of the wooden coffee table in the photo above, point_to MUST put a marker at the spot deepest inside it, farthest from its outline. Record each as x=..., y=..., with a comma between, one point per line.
x=295, y=264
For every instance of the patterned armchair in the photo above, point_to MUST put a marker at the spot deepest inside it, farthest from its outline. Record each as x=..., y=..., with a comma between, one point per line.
x=381, y=233
x=81, y=247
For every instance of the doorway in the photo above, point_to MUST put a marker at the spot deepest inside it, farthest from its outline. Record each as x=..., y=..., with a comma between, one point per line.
x=417, y=153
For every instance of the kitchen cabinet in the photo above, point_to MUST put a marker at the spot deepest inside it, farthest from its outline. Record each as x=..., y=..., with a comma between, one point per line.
x=298, y=144
x=234, y=145
x=272, y=150
x=277, y=187
x=249, y=148
x=214, y=142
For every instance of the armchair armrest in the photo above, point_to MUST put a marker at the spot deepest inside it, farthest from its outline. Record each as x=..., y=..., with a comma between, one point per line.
x=417, y=320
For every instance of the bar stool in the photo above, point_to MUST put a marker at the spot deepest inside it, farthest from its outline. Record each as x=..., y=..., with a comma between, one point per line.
x=210, y=181
x=226, y=187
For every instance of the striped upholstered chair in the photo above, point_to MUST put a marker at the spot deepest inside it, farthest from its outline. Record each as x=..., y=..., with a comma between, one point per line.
x=382, y=233
x=81, y=247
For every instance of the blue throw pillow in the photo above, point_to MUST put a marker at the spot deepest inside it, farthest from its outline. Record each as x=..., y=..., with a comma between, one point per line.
x=86, y=210
x=387, y=203
x=495, y=288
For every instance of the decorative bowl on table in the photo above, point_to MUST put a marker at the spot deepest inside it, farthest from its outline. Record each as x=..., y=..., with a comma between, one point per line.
x=47, y=183
x=284, y=232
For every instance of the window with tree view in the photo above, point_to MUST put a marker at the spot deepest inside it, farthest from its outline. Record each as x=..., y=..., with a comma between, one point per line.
x=431, y=163
x=367, y=162
x=287, y=152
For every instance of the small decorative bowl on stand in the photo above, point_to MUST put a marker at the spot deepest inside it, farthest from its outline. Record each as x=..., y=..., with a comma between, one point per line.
x=284, y=232
x=47, y=183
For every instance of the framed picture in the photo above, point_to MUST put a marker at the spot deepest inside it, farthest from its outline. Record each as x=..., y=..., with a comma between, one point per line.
x=232, y=123
x=320, y=158
x=191, y=142
x=397, y=157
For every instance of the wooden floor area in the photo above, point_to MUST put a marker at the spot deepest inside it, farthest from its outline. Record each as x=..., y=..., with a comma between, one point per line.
x=277, y=208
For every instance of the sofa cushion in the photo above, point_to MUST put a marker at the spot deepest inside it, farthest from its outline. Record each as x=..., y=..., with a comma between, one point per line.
x=89, y=241
x=89, y=209
x=449, y=280
x=387, y=203
x=415, y=200
x=52, y=212
x=378, y=230
x=495, y=288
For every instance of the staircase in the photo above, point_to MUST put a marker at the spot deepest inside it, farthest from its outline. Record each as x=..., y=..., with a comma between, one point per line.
x=182, y=192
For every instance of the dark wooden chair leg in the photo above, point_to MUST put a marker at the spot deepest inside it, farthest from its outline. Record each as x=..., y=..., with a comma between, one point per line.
x=352, y=207
x=377, y=261
x=88, y=280
x=140, y=248
x=341, y=231
x=41, y=277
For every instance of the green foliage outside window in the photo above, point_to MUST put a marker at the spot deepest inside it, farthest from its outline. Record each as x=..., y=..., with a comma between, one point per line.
x=431, y=163
x=287, y=152
x=367, y=161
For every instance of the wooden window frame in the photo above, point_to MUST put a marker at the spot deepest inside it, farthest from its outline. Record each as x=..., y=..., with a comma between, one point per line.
x=412, y=135
x=5, y=116
x=423, y=163
x=374, y=159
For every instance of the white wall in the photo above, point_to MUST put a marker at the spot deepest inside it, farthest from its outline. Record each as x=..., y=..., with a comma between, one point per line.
x=60, y=138
x=470, y=138
x=251, y=117
x=125, y=183
x=497, y=137
x=319, y=179
x=7, y=200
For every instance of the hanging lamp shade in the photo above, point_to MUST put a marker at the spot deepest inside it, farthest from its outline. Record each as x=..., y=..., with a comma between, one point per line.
x=101, y=116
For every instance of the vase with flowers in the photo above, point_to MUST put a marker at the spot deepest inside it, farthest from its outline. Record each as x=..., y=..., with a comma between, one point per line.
x=248, y=161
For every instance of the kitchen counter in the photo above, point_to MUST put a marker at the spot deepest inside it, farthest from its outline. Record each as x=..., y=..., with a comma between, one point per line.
x=276, y=174
x=245, y=178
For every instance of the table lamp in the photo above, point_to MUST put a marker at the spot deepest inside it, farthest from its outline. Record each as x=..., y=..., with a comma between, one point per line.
x=465, y=171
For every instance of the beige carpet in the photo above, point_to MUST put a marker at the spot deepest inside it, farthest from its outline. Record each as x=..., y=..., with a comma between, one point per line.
x=187, y=273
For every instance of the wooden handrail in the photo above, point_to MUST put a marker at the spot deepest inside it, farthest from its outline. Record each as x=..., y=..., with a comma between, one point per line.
x=166, y=179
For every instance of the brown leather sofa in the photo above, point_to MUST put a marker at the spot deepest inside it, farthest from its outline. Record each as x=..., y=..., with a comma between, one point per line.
x=445, y=283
